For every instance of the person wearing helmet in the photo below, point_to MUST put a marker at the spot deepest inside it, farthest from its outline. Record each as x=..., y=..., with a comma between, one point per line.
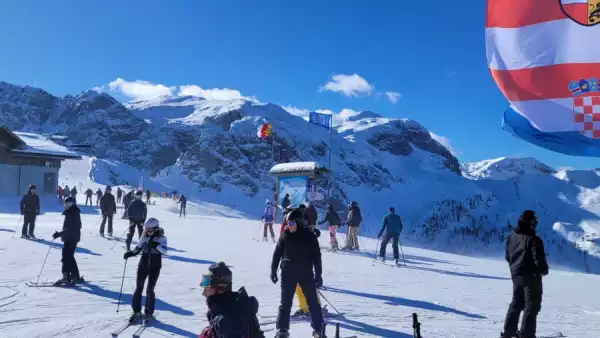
x=70, y=235
x=137, y=212
x=108, y=207
x=98, y=196
x=230, y=313
x=88, y=196
x=30, y=208
x=393, y=224
x=267, y=219
x=152, y=246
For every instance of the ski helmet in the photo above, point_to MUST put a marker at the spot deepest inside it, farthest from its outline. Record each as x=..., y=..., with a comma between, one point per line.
x=219, y=276
x=392, y=209
x=69, y=201
x=151, y=223
x=32, y=187
x=268, y=201
x=139, y=192
x=108, y=188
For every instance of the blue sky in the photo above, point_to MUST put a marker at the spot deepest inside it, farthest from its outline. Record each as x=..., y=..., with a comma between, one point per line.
x=430, y=60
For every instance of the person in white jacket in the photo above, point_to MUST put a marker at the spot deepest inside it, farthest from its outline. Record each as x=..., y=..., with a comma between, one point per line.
x=152, y=245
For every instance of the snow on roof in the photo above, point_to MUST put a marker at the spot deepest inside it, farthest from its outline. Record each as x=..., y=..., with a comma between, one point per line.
x=38, y=144
x=294, y=167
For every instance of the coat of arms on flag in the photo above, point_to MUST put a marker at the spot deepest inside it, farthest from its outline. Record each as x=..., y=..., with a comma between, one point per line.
x=584, y=12
x=587, y=115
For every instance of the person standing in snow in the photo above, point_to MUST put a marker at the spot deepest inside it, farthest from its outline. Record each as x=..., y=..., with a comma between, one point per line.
x=137, y=212
x=285, y=203
x=88, y=196
x=298, y=251
x=354, y=220
x=70, y=235
x=183, y=204
x=30, y=208
x=74, y=195
x=60, y=195
x=148, y=194
x=153, y=245
x=119, y=194
x=230, y=314
x=98, y=196
x=67, y=191
x=527, y=260
x=334, y=221
x=126, y=201
x=393, y=224
x=311, y=216
x=268, y=221
x=108, y=206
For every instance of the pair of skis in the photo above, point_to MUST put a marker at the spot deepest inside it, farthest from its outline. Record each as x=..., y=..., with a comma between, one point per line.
x=144, y=323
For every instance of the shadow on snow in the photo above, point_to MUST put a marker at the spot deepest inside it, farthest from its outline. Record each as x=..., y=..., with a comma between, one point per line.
x=6, y=230
x=399, y=301
x=455, y=273
x=370, y=329
x=59, y=245
x=157, y=324
x=190, y=260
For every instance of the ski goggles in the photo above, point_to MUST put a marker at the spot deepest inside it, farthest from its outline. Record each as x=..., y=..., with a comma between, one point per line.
x=292, y=224
x=206, y=281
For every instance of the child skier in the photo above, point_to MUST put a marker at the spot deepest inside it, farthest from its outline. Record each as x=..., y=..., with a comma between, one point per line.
x=137, y=212
x=70, y=235
x=267, y=218
x=153, y=245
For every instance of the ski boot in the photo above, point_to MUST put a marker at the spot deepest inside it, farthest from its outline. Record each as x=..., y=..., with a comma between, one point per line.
x=31, y=236
x=509, y=335
x=148, y=317
x=102, y=234
x=110, y=234
x=397, y=261
x=300, y=313
x=77, y=280
x=135, y=316
x=66, y=279
x=24, y=236
x=317, y=334
x=282, y=334
x=265, y=239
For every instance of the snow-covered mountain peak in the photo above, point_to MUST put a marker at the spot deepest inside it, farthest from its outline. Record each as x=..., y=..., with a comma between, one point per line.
x=504, y=168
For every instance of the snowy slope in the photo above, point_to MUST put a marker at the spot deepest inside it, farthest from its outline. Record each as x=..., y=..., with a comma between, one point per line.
x=504, y=167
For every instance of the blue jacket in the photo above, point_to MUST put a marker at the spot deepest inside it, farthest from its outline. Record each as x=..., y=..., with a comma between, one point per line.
x=392, y=222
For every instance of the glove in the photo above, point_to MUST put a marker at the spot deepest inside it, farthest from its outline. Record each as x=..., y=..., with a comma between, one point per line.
x=317, y=232
x=56, y=235
x=154, y=244
x=128, y=254
x=274, y=278
x=318, y=282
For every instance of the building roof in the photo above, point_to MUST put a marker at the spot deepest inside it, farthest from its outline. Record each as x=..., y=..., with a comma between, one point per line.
x=28, y=144
x=296, y=167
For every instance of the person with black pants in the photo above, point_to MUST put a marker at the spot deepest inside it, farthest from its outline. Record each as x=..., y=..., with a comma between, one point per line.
x=527, y=260
x=183, y=202
x=30, y=208
x=153, y=245
x=70, y=235
x=137, y=212
x=298, y=251
x=108, y=206
x=393, y=224
x=119, y=194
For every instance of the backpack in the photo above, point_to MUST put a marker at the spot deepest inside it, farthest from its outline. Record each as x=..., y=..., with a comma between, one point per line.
x=251, y=324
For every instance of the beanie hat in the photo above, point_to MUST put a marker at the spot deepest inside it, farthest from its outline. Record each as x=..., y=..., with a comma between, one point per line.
x=70, y=199
x=219, y=276
x=528, y=216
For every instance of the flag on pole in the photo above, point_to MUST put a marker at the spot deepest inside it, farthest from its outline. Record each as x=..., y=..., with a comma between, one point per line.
x=324, y=120
x=264, y=131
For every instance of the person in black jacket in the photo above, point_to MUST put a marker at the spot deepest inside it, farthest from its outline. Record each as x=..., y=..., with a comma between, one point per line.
x=119, y=194
x=127, y=199
x=88, y=196
x=70, y=235
x=334, y=221
x=98, y=196
x=30, y=208
x=298, y=251
x=183, y=202
x=108, y=207
x=153, y=245
x=527, y=260
x=312, y=216
x=230, y=314
x=137, y=212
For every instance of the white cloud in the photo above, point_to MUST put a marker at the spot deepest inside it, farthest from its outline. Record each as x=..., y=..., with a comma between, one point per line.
x=297, y=111
x=393, y=96
x=566, y=168
x=349, y=85
x=446, y=143
x=210, y=94
x=137, y=90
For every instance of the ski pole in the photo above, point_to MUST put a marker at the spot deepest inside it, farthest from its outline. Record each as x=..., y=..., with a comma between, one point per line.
x=328, y=302
x=404, y=260
x=375, y=253
x=95, y=226
x=120, y=238
x=122, y=282
x=45, y=259
x=17, y=228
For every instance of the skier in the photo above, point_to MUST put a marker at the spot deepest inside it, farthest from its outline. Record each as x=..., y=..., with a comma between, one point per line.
x=354, y=220
x=527, y=260
x=60, y=194
x=108, y=206
x=30, y=208
x=311, y=215
x=70, y=235
x=298, y=250
x=88, y=196
x=98, y=196
x=153, y=245
x=268, y=221
x=119, y=194
x=230, y=314
x=183, y=202
x=67, y=191
x=285, y=212
x=127, y=199
x=137, y=212
x=74, y=194
x=148, y=194
x=285, y=203
x=393, y=224
x=334, y=221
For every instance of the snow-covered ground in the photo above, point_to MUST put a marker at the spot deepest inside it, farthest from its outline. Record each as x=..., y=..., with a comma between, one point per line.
x=455, y=296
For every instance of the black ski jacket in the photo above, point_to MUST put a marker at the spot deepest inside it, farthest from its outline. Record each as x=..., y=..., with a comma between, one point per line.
x=183, y=201
x=285, y=203
x=354, y=216
x=72, y=225
x=525, y=255
x=30, y=204
x=137, y=211
x=233, y=315
x=311, y=215
x=298, y=253
x=108, y=205
x=331, y=217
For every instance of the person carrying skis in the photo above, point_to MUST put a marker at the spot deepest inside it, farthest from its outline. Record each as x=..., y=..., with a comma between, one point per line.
x=527, y=260
x=137, y=212
x=183, y=202
x=230, y=314
x=88, y=196
x=74, y=194
x=393, y=224
x=119, y=194
x=268, y=221
x=108, y=207
x=60, y=194
x=30, y=208
x=311, y=215
x=334, y=221
x=70, y=235
x=98, y=196
x=153, y=245
x=354, y=220
x=298, y=251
